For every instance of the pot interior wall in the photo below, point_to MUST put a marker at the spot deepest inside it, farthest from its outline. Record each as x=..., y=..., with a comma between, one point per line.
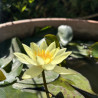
x=83, y=29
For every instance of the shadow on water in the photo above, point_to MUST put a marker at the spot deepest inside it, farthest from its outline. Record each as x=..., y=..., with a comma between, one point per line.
x=4, y=48
x=87, y=68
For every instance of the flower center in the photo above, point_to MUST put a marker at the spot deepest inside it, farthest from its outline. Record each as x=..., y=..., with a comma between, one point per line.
x=47, y=56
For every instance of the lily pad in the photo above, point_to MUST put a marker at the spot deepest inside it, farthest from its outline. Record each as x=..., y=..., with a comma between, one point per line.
x=78, y=51
x=66, y=90
x=14, y=46
x=64, y=82
x=50, y=77
x=79, y=81
x=22, y=86
x=10, y=66
x=4, y=61
x=94, y=50
x=10, y=77
x=51, y=38
x=9, y=92
x=17, y=45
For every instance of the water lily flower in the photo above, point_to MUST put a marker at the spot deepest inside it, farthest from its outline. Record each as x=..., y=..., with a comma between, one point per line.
x=41, y=58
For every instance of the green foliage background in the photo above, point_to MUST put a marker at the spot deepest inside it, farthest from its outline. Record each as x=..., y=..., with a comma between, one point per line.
x=24, y=9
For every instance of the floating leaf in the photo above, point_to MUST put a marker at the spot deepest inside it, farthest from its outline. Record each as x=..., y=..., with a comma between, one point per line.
x=14, y=46
x=17, y=45
x=10, y=66
x=10, y=77
x=78, y=51
x=23, y=86
x=51, y=38
x=94, y=50
x=64, y=82
x=65, y=89
x=50, y=77
x=79, y=81
x=45, y=28
x=40, y=32
x=9, y=92
x=4, y=61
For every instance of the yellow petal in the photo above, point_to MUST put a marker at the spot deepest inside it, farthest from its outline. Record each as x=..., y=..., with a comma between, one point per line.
x=34, y=47
x=29, y=51
x=43, y=45
x=60, y=52
x=62, y=70
x=54, y=52
x=24, y=58
x=49, y=66
x=59, y=59
x=34, y=71
x=47, y=60
x=51, y=47
x=40, y=61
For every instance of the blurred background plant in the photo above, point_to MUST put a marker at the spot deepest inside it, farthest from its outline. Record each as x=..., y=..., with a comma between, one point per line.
x=11, y=10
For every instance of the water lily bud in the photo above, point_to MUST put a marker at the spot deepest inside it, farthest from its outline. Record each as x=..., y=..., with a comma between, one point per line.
x=65, y=34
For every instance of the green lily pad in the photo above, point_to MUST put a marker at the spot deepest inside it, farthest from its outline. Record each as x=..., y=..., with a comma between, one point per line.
x=51, y=38
x=9, y=92
x=14, y=46
x=64, y=82
x=50, y=77
x=94, y=50
x=17, y=45
x=78, y=51
x=23, y=86
x=10, y=77
x=10, y=66
x=63, y=85
x=4, y=61
x=79, y=81
x=64, y=88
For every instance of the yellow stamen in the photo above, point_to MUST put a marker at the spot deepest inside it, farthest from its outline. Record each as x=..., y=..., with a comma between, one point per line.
x=47, y=56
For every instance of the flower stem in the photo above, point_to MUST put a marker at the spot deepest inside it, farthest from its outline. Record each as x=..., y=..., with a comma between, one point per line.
x=45, y=85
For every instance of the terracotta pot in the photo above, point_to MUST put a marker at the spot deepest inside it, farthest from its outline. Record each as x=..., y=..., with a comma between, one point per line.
x=83, y=29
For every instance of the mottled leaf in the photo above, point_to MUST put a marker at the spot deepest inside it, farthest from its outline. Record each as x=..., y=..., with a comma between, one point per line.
x=50, y=76
x=79, y=81
x=10, y=77
x=64, y=88
x=78, y=51
x=9, y=92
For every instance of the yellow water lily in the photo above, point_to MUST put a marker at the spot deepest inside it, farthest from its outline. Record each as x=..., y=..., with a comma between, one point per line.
x=41, y=58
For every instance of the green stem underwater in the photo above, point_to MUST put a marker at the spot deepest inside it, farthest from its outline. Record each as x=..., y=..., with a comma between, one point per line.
x=45, y=85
